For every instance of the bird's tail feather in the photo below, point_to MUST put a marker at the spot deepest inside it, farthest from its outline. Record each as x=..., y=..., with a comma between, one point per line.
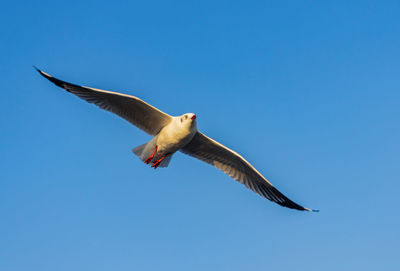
x=165, y=161
x=146, y=150
x=139, y=150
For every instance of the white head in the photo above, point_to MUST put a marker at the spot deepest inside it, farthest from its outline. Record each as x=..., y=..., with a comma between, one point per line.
x=188, y=119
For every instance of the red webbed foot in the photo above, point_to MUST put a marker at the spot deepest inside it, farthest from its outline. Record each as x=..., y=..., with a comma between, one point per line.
x=148, y=160
x=157, y=163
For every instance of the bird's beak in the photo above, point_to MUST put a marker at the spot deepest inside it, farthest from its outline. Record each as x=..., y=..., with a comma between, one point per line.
x=194, y=117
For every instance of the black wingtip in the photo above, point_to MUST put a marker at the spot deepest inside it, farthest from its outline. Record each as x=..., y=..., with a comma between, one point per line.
x=41, y=72
x=55, y=81
x=311, y=210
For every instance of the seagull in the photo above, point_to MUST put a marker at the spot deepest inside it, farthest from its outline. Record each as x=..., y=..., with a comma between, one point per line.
x=172, y=134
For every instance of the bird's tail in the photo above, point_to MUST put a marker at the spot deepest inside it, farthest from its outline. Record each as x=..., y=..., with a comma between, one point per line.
x=146, y=150
x=139, y=151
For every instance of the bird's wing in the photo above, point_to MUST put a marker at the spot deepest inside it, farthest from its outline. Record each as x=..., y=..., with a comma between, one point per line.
x=234, y=165
x=139, y=113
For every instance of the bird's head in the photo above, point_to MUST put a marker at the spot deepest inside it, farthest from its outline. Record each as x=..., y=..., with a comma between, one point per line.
x=188, y=119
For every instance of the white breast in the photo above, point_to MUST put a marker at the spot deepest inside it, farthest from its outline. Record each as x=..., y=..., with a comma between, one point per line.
x=175, y=136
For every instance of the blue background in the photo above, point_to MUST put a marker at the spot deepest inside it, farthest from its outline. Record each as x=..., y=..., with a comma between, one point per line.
x=308, y=91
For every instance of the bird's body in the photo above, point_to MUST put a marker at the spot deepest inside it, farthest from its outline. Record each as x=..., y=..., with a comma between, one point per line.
x=173, y=137
x=177, y=134
x=172, y=134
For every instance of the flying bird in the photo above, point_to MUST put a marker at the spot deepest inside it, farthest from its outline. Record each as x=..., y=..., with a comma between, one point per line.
x=172, y=134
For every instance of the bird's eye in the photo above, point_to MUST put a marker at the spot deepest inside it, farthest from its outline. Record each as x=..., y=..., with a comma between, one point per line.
x=186, y=117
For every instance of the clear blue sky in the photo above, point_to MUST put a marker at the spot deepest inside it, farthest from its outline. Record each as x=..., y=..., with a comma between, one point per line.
x=308, y=91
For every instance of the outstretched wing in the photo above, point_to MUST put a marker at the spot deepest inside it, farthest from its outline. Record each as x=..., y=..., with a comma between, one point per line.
x=139, y=113
x=234, y=165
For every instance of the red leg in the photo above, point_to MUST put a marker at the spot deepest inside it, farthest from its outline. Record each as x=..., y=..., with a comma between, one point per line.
x=157, y=163
x=148, y=160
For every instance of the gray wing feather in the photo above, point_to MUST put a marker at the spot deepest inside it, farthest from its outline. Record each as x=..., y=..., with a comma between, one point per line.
x=234, y=165
x=139, y=113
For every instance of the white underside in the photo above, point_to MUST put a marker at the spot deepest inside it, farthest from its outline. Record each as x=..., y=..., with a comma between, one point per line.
x=171, y=138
